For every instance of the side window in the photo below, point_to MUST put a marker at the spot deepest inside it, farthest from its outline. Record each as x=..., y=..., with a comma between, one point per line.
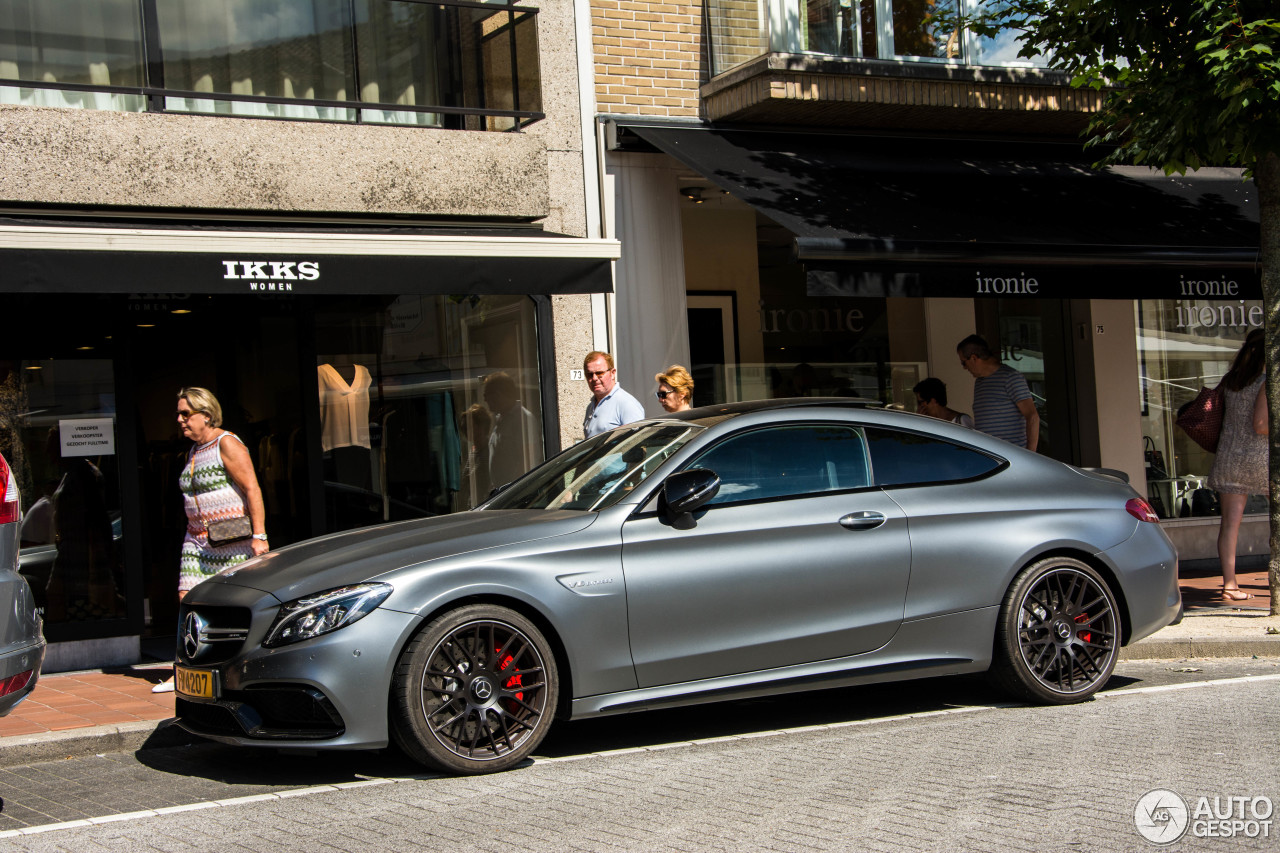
x=904, y=458
x=787, y=462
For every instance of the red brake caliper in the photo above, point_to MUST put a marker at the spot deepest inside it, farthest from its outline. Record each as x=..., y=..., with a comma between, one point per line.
x=514, y=681
x=1087, y=635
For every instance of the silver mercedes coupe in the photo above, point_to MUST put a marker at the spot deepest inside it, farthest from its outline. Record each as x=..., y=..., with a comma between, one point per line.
x=728, y=552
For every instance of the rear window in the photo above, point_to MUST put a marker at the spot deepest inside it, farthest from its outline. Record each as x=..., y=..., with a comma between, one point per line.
x=908, y=458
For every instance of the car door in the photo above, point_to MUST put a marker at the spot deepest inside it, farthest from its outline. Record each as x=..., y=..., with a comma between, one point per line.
x=796, y=559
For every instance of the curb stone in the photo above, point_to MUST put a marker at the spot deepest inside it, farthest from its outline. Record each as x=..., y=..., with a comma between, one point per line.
x=75, y=743
x=1202, y=647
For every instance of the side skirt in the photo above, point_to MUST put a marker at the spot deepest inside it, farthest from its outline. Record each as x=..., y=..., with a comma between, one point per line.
x=953, y=644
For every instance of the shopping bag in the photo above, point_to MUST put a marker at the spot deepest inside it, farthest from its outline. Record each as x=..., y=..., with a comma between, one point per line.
x=1201, y=419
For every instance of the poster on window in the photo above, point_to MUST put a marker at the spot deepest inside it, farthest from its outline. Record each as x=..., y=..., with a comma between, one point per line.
x=87, y=437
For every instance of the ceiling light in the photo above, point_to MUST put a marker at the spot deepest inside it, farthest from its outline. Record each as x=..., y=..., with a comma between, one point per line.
x=694, y=194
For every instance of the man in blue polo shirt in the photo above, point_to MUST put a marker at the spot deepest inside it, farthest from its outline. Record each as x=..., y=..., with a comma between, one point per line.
x=610, y=406
x=1002, y=402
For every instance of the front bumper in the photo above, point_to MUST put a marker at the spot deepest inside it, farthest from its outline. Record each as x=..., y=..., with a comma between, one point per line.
x=329, y=692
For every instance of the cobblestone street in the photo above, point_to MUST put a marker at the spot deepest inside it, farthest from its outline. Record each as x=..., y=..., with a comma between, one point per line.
x=970, y=778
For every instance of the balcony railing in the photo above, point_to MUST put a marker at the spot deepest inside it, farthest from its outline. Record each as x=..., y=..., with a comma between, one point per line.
x=906, y=30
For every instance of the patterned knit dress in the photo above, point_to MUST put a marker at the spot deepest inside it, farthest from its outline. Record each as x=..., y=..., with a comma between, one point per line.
x=1241, y=465
x=205, y=476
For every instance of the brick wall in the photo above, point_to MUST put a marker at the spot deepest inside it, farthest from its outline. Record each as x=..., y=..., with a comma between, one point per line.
x=648, y=56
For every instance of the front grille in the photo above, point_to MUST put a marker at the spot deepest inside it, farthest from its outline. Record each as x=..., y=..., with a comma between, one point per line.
x=202, y=718
x=214, y=635
x=294, y=712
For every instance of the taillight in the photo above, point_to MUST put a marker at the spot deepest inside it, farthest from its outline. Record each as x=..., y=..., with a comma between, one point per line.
x=14, y=683
x=1141, y=510
x=9, y=508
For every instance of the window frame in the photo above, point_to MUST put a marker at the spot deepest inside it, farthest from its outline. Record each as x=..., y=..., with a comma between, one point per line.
x=156, y=96
x=1001, y=465
x=856, y=428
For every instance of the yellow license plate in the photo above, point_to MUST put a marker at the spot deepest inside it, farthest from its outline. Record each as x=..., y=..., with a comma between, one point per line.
x=197, y=683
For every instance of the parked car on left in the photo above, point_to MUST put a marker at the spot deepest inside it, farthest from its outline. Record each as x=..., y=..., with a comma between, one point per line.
x=21, y=639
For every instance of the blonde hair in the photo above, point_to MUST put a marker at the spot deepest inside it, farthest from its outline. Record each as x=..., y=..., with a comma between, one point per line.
x=202, y=400
x=679, y=380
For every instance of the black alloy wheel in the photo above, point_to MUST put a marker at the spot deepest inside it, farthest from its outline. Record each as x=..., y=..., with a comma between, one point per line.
x=1059, y=633
x=475, y=691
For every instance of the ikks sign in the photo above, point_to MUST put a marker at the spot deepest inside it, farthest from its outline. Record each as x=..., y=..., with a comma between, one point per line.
x=271, y=276
x=281, y=275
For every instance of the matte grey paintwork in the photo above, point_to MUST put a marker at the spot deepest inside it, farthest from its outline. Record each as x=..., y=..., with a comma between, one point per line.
x=800, y=587
x=752, y=600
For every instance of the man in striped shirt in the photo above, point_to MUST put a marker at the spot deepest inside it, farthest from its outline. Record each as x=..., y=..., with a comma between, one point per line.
x=1002, y=403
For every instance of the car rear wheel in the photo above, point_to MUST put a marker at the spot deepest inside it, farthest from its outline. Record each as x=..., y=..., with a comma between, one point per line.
x=1058, y=635
x=475, y=691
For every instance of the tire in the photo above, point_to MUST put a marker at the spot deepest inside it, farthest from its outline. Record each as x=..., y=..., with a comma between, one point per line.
x=1059, y=633
x=474, y=691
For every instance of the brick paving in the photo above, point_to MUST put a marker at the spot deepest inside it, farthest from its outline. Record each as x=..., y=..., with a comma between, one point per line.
x=66, y=701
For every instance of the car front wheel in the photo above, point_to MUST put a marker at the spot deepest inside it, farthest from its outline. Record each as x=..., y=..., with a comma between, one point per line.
x=474, y=692
x=1058, y=635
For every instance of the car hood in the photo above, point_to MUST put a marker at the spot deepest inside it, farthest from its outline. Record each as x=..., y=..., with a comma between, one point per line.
x=359, y=555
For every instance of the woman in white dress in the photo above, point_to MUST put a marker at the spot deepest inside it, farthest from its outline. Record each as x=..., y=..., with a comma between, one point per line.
x=1241, y=464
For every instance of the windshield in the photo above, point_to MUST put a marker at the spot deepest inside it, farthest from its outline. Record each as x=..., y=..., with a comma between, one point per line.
x=598, y=472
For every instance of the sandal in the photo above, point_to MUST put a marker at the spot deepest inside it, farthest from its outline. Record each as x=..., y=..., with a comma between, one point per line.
x=1236, y=594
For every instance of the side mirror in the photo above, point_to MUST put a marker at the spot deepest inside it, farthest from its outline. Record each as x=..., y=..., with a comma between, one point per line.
x=686, y=492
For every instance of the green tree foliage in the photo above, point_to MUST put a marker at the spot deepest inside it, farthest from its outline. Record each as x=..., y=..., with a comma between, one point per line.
x=1187, y=83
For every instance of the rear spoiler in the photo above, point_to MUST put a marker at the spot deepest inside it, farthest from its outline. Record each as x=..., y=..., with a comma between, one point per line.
x=1109, y=472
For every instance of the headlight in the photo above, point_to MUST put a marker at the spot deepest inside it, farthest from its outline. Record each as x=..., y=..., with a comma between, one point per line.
x=323, y=612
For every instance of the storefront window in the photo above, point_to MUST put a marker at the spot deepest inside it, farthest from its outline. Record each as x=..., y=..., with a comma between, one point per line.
x=820, y=342
x=58, y=421
x=427, y=403
x=1184, y=345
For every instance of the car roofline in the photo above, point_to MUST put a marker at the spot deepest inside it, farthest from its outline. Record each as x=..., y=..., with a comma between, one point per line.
x=749, y=406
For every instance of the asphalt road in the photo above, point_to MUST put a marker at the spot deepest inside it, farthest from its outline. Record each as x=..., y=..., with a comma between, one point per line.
x=934, y=765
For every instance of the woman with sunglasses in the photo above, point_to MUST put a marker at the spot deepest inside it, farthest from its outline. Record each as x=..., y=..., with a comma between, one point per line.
x=217, y=483
x=675, y=389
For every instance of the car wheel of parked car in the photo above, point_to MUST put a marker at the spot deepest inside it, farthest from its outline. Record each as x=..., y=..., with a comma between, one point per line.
x=475, y=691
x=1059, y=633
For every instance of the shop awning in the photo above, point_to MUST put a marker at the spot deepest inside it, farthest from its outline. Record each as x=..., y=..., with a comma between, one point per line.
x=876, y=216
x=53, y=258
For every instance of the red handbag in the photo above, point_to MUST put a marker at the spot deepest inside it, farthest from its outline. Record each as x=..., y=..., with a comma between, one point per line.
x=1201, y=419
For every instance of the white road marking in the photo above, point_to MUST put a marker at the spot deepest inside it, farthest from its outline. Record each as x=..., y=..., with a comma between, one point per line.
x=392, y=780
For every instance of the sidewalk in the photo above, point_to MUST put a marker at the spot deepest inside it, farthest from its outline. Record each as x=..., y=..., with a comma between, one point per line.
x=81, y=713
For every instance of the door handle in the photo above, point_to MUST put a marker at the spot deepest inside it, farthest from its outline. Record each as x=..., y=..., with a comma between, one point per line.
x=865, y=520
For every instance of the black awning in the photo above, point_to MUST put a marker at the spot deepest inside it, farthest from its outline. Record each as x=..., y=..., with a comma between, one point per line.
x=52, y=271
x=876, y=216
x=51, y=256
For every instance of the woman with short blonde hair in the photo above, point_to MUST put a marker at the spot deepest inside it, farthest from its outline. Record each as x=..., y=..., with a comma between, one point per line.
x=675, y=389
x=218, y=483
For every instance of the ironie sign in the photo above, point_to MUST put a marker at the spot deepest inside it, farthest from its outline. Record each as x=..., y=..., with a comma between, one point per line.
x=1029, y=281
